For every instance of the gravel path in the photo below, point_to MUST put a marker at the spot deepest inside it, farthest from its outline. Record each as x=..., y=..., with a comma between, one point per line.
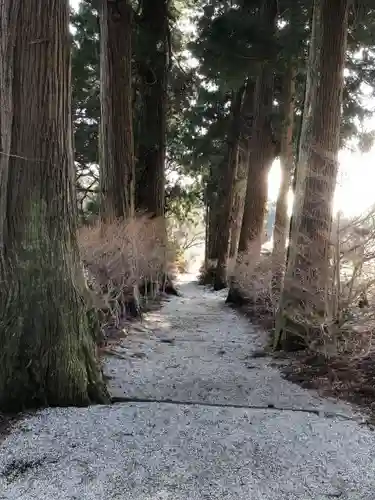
x=159, y=446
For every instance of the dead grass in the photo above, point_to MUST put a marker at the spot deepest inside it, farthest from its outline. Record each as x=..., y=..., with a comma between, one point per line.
x=343, y=377
x=252, y=286
x=339, y=360
x=123, y=261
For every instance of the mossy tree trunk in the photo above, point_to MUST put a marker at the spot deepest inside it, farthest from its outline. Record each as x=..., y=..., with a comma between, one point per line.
x=153, y=72
x=47, y=334
x=281, y=227
x=117, y=144
x=307, y=275
x=226, y=194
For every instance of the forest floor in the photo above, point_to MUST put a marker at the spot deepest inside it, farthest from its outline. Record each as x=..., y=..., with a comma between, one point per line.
x=344, y=377
x=199, y=414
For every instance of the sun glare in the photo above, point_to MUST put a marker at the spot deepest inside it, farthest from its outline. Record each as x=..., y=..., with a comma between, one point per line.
x=274, y=180
x=74, y=4
x=355, y=191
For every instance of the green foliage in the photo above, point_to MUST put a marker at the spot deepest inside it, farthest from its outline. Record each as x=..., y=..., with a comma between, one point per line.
x=182, y=201
x=230, y=40
x=85, y=83
x=86, y=99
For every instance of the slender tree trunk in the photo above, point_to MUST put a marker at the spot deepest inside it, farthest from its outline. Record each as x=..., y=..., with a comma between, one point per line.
x=304, y=293
x=47, y=352
x=117, y=143
x=213, y=239
x=154, y=69
x=281, y=227
x=262, y=148
x=243, y=167
x=213, y=219
x=239, y=201
x=227, y=191
x=261, y=156
x=212, y=234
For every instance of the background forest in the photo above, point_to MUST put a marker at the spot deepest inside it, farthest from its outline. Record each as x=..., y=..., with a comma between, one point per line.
x=185, y=115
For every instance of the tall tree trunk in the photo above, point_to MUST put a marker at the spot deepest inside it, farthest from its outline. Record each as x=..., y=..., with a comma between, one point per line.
x=304, y=293
x=262, y=154
x=281, y=227
x=239, y=201
x=305, y=136
x=226, y=194
x=262, y=147
x=154, y=68
x=213, y=220
x=47, y=352
x=262, y=151
x=117, y=143
x=243, y=167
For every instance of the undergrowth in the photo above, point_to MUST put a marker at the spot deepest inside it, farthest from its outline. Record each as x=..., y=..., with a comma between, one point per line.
x=339, y=348
x=125, y=264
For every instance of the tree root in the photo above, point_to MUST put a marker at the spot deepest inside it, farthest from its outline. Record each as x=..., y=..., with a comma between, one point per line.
x=314, y=411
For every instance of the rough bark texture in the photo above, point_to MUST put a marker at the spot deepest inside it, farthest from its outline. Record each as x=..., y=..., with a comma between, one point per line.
x=281, y=227
x=262, y=148
x=307, y=273
x=212, y=233
x=262, y=154
x=153, y=69
x=226, y=195
x=117, y=143
x=243, y=167
x=305, y=137
x=239, y=201
x=47, y=354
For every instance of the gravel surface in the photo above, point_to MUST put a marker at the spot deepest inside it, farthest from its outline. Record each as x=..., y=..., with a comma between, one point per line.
x=194, y=350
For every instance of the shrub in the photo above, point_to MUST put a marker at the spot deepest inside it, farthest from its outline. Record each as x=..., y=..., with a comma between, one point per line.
x=123, y=259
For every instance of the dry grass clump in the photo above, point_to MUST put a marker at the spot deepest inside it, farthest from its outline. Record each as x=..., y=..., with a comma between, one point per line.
x=340, y=359
x=123, y=260
x=347, y=324
x=253, y=287
x=350, y=313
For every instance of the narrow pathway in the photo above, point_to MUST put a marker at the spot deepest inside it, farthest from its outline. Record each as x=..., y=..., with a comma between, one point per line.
x=205, y=419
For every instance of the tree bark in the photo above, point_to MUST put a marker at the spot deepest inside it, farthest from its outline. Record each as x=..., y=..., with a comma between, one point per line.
x=47, y=354
x=213, y=219
x=305, y=136
x=281, y=227
x=243, y=167
x=262, y=154
x=154, y=69
x=304, y=293
x=262, y=147
x=239, y=201
x=117, y=144
x=226, y=195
